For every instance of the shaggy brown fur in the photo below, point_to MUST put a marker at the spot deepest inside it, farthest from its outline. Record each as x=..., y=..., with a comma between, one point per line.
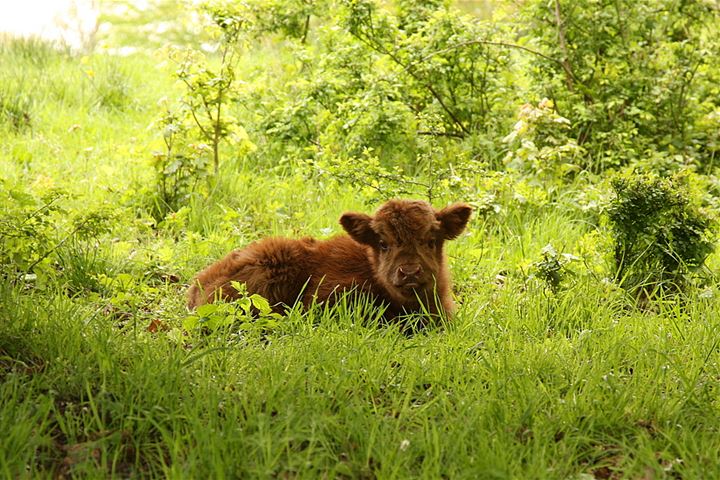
x=396, y=257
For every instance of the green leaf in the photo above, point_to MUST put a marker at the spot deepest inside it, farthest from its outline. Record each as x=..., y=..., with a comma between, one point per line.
x=190, y=322
x=244, y=304
x=206, y=310
x=23, y=198
x=261, y=304
x=241, y=288
x=125, y=281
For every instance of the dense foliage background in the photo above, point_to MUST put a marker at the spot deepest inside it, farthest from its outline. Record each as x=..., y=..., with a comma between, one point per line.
x=584, y=133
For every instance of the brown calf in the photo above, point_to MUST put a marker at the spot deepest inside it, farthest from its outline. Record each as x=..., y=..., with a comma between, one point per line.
x=396, y=257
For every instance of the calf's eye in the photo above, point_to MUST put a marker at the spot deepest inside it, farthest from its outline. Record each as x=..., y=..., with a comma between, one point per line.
x=384, y=246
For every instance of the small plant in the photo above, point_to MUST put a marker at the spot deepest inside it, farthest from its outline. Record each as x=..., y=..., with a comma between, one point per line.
x=209, y=89
x=660, y=232
x=552, y=269
x=194, y=131
x=130, y=300
x=36, y=242
x=109, y=82
x=27, y=229
x=79, y=254
x=179, y=168
x=247, y=313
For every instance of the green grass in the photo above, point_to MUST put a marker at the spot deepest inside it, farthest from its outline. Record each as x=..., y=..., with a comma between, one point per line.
x=522, y=383
x=514, y=387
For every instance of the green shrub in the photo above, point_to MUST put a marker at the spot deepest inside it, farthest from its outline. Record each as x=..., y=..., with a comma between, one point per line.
x=41, y=241
x=632, y=77
x=211, y=84
x=246, y=313
x=420, y=86
x=539, y=143
x=180, y=168
x=660, y=232
x=27, y=229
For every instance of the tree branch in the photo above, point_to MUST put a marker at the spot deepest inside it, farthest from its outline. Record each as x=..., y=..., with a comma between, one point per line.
x=376, y=47
x=488, y=42
x=442, y=134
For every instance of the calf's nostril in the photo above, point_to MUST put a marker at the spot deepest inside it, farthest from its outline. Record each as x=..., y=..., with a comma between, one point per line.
x=410, y=269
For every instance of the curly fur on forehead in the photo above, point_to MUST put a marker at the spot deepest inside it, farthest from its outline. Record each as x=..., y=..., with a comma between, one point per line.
x=406, y=221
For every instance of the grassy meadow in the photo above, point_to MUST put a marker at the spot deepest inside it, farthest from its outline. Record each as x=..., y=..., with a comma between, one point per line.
x=100, y=376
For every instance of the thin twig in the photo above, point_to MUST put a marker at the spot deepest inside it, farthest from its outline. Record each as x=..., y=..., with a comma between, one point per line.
x=36, y=212
x=305, y=30
x=442, y=134
x=570, y=77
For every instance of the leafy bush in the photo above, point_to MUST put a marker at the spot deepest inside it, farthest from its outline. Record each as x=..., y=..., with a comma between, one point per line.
x=405, y=97
x=539, y=143
x=27, y=229
x=446, y=62
x=632, y=77
x=40, y=240
x=661, y=234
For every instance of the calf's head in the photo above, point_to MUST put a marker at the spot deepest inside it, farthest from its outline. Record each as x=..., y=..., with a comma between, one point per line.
x=407, y=242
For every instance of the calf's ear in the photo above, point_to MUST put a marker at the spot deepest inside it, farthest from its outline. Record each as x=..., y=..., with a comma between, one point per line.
x=357, y=225
x=453, y=219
